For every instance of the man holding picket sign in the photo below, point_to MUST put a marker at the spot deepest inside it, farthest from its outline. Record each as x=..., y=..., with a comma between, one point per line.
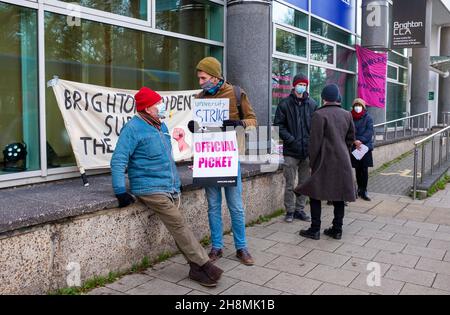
x=239, y=115
x=144, y=148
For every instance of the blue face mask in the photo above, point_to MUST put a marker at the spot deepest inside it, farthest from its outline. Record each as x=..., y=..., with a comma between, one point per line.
x=161, y=110
x=300, y=89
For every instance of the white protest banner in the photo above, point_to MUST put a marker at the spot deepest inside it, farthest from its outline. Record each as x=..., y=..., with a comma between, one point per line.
x=94, y=115
x=211, y=112
x=216, y=159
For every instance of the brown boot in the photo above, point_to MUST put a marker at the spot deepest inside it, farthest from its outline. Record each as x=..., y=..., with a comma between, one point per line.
x=200, y=274
x=245, y=257
x=215, y=254
x=212, y=271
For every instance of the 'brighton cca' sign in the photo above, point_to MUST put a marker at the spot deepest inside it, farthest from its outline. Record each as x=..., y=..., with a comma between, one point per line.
x=409, y=17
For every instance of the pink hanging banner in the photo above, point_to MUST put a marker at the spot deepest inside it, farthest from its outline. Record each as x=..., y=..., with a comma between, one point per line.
x=372, y=76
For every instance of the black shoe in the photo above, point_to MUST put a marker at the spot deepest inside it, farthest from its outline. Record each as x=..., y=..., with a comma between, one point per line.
x=289, y=218
x=301, y=215
x=334, y=233
x=315, y=235
x=364, y=195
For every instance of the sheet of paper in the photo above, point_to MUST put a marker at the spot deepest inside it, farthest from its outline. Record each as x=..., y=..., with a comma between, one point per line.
x=359, y=154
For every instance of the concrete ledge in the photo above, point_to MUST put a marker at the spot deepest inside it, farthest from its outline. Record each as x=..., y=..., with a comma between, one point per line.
x=38, y=204
x=387, y=152
x=100, y=238
x=430, y=180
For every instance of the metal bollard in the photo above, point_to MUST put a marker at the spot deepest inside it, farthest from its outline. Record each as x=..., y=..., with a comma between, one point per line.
x=422, y=168
x=415, y=173
x=432, y=155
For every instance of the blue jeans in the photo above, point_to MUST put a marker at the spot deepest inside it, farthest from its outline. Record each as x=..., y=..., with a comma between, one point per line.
x=233, y=196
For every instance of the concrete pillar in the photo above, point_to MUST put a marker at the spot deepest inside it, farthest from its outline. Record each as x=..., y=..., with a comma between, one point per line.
x=249, y=52
x=375, y=28
x=444, y=83
x=420, y=70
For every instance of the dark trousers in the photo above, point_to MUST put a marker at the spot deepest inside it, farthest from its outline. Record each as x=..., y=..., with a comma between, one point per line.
x=316, y=212
x=362, y=177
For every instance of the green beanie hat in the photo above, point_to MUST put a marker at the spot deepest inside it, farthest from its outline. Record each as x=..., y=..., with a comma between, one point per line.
x=211, y=66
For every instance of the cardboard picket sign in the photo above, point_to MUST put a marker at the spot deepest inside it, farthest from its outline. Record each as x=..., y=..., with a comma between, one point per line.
x=211, y=112
x=216, y=159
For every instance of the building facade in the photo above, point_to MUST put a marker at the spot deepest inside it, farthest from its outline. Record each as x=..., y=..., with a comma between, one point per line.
x=325, y=33
x=126, y=44
x=157, y=43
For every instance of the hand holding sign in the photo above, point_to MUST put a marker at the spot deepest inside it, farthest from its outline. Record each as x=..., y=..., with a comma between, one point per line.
x=233, y=123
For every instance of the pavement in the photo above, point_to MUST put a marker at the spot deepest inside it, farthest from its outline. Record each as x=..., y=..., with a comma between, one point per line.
x=405, y=244
x=397, y=179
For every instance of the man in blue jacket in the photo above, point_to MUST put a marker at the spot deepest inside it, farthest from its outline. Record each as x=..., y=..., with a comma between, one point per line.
x=144, y=148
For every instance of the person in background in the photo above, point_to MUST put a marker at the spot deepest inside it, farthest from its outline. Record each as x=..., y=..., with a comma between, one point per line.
x=144, y=148
x=332, y=135
x=293, y=117
x=364, y=135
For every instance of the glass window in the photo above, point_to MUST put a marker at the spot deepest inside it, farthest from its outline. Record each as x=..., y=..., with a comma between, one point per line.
x=19, y=121
x=402, y=75
x=322, y=52
x=290, y=43
x=393, y=57
x=392, y=73
x=113, y=56
x=199, y=18
x=131, y=8
x=396, y=101
x=283, y=73
x=290, y=16
x=328, y=31
x=345, y=58
x=401, y=51
x=319, y=77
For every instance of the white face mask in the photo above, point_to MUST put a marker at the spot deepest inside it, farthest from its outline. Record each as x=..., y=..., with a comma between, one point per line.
x=358, y=109
x=161, y=110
